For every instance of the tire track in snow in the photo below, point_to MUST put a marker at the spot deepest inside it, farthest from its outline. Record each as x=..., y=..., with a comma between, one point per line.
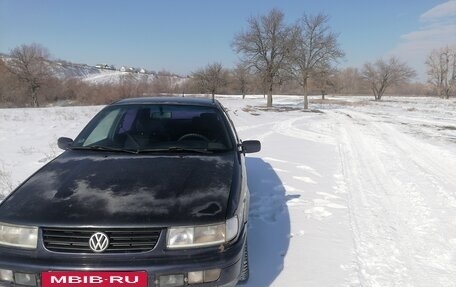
x=427, y=167
x=395, y=227
x=374, y=239
x=288, y=128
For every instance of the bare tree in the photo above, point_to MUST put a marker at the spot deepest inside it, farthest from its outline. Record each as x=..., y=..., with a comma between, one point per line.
x=266, y=47
x=441, y=70
x=198, y=81
x=258, y=85
x=216, y=78
x=30, y=65
x=349, y=81
x=6, y=85
x=241, y=78
x=317, y=48
x=383, y=74
x=163, y=82
x=325, y=79
x=211, y=78
x=133, y=85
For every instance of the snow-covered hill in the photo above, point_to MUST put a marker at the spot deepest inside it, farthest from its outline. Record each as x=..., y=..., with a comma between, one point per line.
x=65, y=70
x=115, y=77
x=362, y=193
x=94, y=75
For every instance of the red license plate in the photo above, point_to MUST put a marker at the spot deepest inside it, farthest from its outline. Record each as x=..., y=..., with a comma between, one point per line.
x=93, y=279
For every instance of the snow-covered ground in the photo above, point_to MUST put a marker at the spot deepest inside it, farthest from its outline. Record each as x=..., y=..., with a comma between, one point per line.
x=115, y=77
x=361, y=193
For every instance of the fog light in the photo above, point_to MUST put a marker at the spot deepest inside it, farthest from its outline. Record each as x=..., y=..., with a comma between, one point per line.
x=25, y=279
x=195, y=277
x=172, y=280
x=6, y=275
x=211, y=275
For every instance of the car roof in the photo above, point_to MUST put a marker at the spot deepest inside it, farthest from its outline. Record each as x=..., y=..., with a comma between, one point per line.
x=169, y=100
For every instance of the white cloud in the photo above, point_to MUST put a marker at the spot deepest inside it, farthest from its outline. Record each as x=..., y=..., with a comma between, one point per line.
x=438, y=29
x=440, y=33
x=447, y=9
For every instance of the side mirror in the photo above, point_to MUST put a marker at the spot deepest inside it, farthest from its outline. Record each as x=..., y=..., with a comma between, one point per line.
x=64, y=143
x=251, y=146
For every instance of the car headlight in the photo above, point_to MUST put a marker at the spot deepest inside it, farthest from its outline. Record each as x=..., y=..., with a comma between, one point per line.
x=18, y=236
x=203, y=235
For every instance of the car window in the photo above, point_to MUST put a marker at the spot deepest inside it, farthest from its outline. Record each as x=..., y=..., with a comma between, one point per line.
x=231, y=126
x=158, y=126
x=101, y=131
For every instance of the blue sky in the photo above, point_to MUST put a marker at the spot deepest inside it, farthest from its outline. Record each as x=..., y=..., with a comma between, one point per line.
x=182, y=36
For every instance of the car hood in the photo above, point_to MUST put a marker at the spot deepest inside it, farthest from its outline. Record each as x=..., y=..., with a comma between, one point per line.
x=88, y=188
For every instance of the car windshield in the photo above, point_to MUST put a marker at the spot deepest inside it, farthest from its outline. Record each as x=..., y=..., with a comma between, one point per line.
x=156, y=127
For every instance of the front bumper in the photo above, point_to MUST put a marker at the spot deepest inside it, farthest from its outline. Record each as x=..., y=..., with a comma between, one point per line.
x=156, y=263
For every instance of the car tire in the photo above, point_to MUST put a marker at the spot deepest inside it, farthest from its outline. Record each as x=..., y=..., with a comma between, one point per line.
x=245, y=271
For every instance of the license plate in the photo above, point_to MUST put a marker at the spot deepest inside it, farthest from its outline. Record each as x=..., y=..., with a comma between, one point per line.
x=93, y=279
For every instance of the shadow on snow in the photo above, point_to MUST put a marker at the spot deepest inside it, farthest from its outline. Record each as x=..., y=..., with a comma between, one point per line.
x=269, y=223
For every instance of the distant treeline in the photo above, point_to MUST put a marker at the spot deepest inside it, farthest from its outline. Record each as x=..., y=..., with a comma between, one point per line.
x=15, y=92
x=27, y=80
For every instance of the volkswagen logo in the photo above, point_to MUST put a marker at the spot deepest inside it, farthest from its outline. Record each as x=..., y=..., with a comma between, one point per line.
x=98, y=242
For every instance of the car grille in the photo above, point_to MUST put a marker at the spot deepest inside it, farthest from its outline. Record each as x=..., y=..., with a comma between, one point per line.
x=121, y=240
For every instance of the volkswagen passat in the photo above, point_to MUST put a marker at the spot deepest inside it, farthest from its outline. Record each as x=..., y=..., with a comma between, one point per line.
x=152, y=192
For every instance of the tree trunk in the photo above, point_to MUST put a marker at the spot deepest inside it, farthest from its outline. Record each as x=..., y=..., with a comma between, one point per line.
x=322, y=94
x=446, y=92
x=35, y=97
x=213, y=96
x=381, y=91
x=306, y=94
x=269, y=101
x=379, y=95
x=375, y=94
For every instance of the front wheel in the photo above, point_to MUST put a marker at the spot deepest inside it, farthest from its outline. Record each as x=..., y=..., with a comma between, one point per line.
x=245, y=272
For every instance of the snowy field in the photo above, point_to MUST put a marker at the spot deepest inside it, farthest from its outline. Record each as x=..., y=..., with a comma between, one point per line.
x=360, y=193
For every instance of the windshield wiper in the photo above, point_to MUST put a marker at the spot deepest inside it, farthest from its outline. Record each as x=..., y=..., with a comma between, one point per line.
x=176, y=149
x=103, y=148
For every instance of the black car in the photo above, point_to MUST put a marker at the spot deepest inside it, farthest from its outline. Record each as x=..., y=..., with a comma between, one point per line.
x=152, y=192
